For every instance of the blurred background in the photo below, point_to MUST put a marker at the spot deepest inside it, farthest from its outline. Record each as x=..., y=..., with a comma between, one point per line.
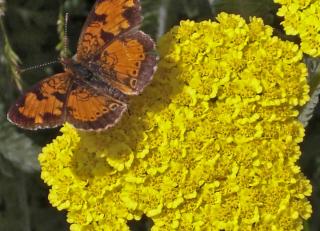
x=31, y=33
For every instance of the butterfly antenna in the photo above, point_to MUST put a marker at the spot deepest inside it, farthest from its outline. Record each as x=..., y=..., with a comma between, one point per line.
x=66, y=39
x=37, y=66
x=65, y=48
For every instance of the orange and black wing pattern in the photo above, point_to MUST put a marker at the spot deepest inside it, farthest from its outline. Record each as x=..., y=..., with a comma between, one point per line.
x=89, y=108
x=107, y=20
x=114, y=59
x=128, y=63
x=43, y=106
x=112, y=46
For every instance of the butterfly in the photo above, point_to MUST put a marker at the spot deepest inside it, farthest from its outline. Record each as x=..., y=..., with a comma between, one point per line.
x=114, y=60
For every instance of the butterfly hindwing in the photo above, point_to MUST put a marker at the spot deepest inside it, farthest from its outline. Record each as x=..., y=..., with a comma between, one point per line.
x=128, y=63
x=106, y=21
x=43, y=105
x=89, y=108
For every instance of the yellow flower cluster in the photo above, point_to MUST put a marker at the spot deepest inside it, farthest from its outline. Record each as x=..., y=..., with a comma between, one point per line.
x=302, y=17
x=211, y=144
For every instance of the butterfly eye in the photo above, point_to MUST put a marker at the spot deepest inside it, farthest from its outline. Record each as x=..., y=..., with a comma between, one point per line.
x=113, y=106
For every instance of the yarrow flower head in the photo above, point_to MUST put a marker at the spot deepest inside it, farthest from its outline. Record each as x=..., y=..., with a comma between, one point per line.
x=302, y=17
x=211, y=144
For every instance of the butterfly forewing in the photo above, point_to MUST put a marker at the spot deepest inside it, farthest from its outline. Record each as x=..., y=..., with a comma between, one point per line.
x=43, y=105
x=107, y=20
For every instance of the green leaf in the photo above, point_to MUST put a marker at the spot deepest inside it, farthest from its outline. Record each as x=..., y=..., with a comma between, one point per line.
x=23, y=202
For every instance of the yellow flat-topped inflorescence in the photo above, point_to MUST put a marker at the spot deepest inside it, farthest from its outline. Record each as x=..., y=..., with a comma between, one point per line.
x=302, y=18
x=211, y=144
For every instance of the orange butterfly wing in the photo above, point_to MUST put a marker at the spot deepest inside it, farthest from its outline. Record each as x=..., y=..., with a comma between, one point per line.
x=43, y=105
x=112, y=47
x=128, y=63
x=89, y=107
x=106, y=21
x=114, y=52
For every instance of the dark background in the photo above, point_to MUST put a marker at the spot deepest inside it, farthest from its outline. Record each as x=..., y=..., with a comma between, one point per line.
x=29, y=32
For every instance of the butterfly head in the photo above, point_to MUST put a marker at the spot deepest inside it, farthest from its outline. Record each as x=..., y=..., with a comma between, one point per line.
x=69, y=64
x=66, y=62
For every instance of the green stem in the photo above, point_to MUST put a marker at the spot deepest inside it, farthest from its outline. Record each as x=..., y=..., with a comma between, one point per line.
x=12, y=59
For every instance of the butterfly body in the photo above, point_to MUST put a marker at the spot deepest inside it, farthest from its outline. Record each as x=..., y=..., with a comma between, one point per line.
x=83, y=75
x=78, y=70
x=91, y=76
x=113, y=61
